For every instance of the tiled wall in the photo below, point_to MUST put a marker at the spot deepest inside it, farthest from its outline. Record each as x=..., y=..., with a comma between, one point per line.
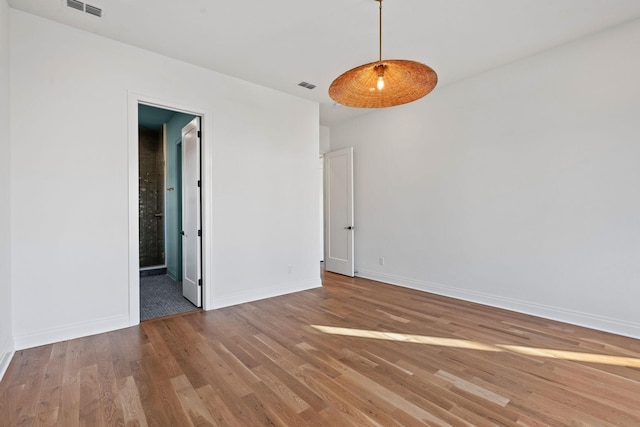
x=151, y=201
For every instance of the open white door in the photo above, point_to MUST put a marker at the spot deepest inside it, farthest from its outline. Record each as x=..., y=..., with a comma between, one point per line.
x=338, y=226
x=191, y=229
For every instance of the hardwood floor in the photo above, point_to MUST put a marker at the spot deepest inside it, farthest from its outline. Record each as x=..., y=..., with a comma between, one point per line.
x=355, y=352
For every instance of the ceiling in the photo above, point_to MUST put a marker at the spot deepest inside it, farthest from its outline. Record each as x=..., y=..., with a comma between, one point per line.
x=152, y=117
x=280, y=43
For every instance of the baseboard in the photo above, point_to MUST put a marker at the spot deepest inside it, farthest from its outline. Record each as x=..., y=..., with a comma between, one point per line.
x=587, y=320
x=6, y=354
x=173, y=274
x=258, y=294
x=78, y=330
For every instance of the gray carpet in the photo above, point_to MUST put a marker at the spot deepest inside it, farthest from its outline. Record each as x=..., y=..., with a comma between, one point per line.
x=161, y=296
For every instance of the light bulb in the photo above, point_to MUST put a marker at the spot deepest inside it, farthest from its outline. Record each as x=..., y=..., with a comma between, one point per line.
x=379, y=69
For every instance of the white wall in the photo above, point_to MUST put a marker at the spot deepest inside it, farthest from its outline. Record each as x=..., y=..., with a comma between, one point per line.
x=517, y=188
x=325, y=139
x=70, y=179
x=325, y=147
x=6, y=341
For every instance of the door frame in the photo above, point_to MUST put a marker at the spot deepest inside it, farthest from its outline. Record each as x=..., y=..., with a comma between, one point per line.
x=133, y=192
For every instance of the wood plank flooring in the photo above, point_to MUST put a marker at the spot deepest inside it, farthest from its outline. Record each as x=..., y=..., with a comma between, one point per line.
x=353, y=353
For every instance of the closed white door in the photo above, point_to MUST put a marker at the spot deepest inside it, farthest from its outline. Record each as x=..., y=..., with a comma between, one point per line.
x=191, y=228
x=339, y=227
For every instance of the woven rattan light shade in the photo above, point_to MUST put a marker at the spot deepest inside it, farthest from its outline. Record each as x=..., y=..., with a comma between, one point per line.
x=383, y=83
x=404, y=81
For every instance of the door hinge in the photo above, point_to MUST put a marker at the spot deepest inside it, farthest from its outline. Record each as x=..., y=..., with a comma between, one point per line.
x=199, y=183
x=199, y=282
x=199, y=134
x=199, y=233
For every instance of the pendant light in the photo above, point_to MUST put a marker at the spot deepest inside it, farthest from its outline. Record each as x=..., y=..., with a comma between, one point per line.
x=383, y=83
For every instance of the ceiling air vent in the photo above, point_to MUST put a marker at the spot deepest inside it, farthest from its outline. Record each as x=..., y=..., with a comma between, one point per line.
x=75, y=4
x=82, y=7
x=93, y=10
x=307, y=85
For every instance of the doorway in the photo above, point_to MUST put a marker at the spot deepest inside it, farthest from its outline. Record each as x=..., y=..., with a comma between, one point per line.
x=161, y=211
x=338, y=218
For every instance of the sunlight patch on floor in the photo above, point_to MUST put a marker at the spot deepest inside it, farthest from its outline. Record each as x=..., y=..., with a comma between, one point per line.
x=474, y=345
x=418, y=339
x=577, y=356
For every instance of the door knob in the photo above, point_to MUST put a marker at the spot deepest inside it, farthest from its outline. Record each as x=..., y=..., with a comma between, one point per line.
x=349, y=228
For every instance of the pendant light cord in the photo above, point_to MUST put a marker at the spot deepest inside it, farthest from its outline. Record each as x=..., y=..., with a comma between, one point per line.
x=380, y=39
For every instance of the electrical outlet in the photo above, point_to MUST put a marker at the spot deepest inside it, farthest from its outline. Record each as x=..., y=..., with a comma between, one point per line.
x=381, y=260
x=290, y=269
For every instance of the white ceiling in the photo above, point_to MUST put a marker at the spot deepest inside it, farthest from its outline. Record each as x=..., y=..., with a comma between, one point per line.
x=280, y=43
